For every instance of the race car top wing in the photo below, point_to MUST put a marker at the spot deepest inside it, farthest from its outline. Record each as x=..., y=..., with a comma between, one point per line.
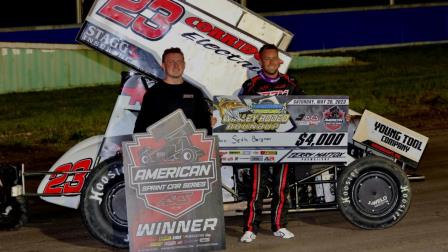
x=219, y=51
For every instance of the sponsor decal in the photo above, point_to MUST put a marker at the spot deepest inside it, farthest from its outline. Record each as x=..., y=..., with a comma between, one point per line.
x=307, y=120
x=120, y=49
x=107, y=42
x=396, y=138
x=231, y=57
x=237, y=116
x=267, y=108
x=170, y=243
x=268, y=152
x=256, y=158
x=274, y=92
x=68, y=183
x=222, y=36
x=379, y=202
x=317, y=156
x=333, y=118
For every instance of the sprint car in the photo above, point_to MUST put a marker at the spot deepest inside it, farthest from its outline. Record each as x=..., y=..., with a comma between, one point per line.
x=371, y=189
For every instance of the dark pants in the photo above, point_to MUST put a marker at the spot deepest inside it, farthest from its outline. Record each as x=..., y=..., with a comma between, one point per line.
x=279, y=207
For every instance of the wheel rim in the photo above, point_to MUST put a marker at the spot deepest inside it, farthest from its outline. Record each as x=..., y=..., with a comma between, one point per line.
x=116, y=205
x=375, y=194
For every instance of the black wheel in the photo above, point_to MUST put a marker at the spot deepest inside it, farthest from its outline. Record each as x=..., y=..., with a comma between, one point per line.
x=373, y=193
x=13, y=211
x=103, y=204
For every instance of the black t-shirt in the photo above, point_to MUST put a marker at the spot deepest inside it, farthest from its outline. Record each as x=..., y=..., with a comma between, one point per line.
x=163, y=99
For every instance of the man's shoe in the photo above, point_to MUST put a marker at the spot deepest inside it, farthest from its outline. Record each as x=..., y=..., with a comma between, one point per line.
x=248, y=236
x=284, y=233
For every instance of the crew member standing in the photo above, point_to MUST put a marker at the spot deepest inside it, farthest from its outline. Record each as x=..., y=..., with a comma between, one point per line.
x=269, y=81
x=173, y=93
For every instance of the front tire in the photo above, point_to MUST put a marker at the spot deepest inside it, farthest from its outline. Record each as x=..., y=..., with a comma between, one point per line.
x=103, y=204
x=373, y=193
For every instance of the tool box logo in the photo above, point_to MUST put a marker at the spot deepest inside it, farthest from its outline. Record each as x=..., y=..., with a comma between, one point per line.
x=333, y=118
x=172, y=174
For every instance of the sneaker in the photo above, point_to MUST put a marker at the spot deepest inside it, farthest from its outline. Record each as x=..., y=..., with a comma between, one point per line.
x=248, y=236
x=284, y=233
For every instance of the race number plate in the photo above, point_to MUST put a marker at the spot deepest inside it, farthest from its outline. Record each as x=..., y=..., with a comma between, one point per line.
x=281, y=129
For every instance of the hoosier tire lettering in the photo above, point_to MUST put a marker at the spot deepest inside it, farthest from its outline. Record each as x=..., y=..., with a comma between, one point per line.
x=96, y=193
x=405, y=190
x=103, y=203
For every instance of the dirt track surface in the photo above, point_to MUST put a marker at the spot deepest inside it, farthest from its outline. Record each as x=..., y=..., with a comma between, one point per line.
x=425, y=228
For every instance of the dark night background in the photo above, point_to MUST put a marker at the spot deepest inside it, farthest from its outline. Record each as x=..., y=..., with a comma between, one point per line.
x=59, y=12
x=35, y=13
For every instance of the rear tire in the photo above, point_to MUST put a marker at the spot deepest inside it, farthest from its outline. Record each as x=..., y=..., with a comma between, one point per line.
x=103, y=204
x=373, y=193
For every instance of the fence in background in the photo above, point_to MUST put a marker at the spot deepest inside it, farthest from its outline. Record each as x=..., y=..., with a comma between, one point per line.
x=56, y=62
x=35, y=67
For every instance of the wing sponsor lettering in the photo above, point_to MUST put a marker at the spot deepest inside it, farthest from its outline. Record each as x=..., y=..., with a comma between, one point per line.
x=396, y=138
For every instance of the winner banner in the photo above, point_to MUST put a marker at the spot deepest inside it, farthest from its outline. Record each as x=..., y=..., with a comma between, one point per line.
x=173, y=188
x=281, y=129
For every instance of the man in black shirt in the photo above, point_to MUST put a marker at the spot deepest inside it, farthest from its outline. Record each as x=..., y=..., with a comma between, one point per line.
x=269, y=81
x=173, y=93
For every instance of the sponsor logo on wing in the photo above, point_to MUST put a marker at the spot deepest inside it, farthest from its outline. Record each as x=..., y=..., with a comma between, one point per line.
x=222, y=36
